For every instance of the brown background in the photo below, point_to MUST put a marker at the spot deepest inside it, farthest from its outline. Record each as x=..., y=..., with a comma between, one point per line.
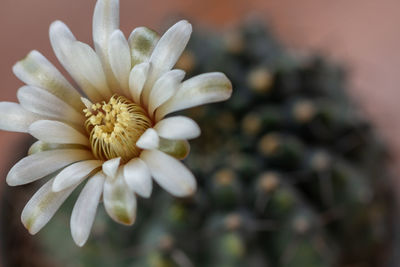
x=363, y=34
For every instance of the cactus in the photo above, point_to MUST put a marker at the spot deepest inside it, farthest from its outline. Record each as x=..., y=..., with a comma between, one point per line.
x=290, y=174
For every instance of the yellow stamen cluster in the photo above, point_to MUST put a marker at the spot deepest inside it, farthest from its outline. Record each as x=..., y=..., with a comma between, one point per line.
x=115, y=127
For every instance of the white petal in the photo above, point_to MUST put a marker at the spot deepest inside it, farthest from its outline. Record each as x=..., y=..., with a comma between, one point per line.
x=105, y=22
x=178, y=149
x=43, y=103
x=62, y=40
x=137, y=78
x=138, y=178
x=57, y=132
x=88, y=104
x=110, y=167
x=120, y=59
x=199, y=90
x=40, y=146
x=148, y=140
x=89, y=65
x=42, y=206
x=119, y=200
x=13, y=117
x=167, y=52
x=74, y=174
x=177, y=128
x=37, y=71
x=169, y=173
x=164, y=89
x=85, y=208
x=39, y=165
x=142, y=42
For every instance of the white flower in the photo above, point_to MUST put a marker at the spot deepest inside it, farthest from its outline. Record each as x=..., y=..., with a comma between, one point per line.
x=114, y=134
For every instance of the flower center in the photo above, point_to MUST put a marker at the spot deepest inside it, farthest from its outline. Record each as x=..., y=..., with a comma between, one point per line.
x=115, y=127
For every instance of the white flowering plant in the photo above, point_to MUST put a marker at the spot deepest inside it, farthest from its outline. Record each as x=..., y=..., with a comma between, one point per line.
x=111, y=131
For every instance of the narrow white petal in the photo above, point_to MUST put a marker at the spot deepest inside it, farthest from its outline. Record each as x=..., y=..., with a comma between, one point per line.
x=57, y=132
x=105, y=22
x=167, y=52
x=148, y=140
x=89, y=65
x=177, y=128
x=119, y=200
x=88, y=104
x=39, y=165
x=169, y=173
x=40, y=146
x=164, y=88
x=46, y=104
x=42, y=206
x=74, y=174
x=15, y=118
x=85, y=208
x=142, y=42
x=62, y=41
x=110, y=167
x=37, y=71
x=120, y=59
x=137, y=78
x=199, y=90
x=138, y=178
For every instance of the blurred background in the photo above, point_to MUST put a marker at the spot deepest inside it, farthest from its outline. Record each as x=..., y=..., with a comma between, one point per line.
x=362, y=36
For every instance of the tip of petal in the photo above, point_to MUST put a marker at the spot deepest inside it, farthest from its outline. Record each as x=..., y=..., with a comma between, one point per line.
x=59, y=28
x=146, y=194
x=56, y=187
x=29, y=224
x=149, y=139
x=120, y=214
x=10, y=181
x=57, y=24
x=190, y=191
x=184, y=23
x=225, y=83
x=110, y=167
x=117, y=34
x=126, y=220
x=87, y=103
x=18, y=69
x=229, y=85
x=184, y=27
x=79, y=240
x=12, y=178
x=80, y=244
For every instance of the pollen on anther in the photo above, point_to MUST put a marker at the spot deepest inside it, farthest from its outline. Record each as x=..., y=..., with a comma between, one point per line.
x=115, y=127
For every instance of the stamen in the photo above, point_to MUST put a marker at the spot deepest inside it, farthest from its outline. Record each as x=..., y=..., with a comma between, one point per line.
x=115, y=127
